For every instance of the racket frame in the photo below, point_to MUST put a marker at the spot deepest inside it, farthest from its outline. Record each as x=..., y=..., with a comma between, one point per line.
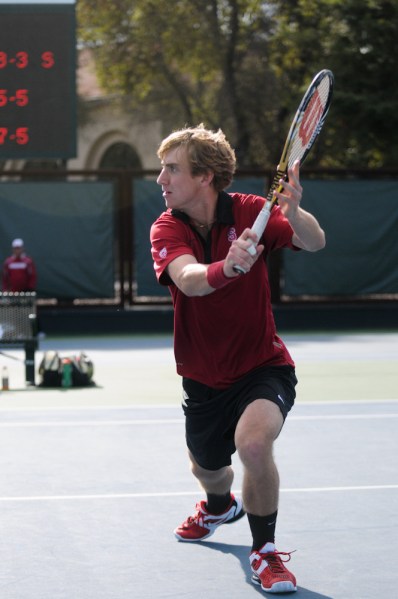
x=262, y=219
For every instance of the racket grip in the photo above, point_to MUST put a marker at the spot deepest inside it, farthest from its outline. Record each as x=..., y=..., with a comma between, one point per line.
x=239, y=269
x=258, y=227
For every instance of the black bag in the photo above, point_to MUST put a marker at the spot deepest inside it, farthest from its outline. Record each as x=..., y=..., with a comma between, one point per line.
x=71, y=371
x=82, y=370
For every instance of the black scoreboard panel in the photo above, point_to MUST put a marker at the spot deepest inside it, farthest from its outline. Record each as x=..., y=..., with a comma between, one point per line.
x=37, y=81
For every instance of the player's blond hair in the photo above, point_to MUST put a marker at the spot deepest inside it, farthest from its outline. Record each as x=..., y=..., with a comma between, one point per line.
x=207, y=151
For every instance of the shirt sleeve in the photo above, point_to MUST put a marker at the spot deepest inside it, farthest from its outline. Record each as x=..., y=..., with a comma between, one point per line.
x=170, y=239
x=278, y=232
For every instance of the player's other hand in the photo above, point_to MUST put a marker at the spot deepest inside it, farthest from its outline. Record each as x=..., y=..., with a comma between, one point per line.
x=289, y=197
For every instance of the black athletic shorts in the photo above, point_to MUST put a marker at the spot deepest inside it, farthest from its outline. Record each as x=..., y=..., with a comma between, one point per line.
x=211, y=415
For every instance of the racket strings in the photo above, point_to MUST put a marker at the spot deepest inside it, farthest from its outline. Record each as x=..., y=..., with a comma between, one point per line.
x=310, y=121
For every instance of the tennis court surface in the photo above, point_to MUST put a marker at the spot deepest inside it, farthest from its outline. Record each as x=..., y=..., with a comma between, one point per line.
x=93, y=481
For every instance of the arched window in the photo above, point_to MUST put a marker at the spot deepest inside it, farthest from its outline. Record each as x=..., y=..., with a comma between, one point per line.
x=43, y=165
x=31, y=166
x=120, y=155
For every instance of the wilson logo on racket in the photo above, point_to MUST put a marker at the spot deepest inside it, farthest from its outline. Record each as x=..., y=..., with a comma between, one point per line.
x=311, y=118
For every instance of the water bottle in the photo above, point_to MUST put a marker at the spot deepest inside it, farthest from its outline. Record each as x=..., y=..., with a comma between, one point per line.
x=66, y=373
x=5, y=379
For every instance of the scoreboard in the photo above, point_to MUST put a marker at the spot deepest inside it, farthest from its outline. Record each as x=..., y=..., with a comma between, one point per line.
x=37, y=80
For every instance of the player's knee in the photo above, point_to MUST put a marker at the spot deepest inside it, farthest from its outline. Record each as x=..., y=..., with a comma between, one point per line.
x=254, y=452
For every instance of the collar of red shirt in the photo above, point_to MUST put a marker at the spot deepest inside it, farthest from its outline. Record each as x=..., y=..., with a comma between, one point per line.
x=224, y=212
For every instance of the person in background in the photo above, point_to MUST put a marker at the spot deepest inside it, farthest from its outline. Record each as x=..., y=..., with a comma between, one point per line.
x=19, y=270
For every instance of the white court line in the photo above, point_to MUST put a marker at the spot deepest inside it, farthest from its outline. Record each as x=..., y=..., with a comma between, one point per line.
x=345, y=416
x=91, y=423
x=71, y=423
x=187, y=493
x=328, y=402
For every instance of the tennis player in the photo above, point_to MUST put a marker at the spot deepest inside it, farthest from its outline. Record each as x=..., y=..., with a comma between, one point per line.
x=238, y=377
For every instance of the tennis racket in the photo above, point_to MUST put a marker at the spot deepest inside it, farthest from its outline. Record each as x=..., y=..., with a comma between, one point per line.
x=304, y=130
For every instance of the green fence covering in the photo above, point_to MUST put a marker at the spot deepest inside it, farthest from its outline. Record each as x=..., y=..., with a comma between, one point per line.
x=360, y=219
x=68, y=230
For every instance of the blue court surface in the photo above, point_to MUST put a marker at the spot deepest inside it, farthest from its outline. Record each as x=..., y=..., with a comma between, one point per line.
x=93, y=481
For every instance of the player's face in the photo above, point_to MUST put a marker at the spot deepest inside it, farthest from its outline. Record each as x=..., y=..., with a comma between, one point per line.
x=181, y=190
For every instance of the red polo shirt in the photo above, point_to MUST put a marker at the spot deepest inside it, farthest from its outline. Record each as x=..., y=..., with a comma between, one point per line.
x=220, y=337
x=19, y=274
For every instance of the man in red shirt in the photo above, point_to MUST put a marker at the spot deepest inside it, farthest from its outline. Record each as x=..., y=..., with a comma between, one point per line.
x=19, y=271
x=238, y=377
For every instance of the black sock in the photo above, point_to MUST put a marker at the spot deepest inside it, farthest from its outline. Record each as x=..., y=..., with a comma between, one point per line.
x=217, y=504
x=263, y=529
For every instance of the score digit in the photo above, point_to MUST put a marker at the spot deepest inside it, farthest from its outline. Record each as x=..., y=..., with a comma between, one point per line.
x=3, y=134
x=21, y=136
x=21, y=60
x=48, y=60
x=21, y=97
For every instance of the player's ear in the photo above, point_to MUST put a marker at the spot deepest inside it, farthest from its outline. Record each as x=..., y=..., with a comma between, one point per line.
x=207, y=178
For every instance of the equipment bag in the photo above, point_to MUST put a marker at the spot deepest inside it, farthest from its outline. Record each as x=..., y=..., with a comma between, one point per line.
x=71, y=371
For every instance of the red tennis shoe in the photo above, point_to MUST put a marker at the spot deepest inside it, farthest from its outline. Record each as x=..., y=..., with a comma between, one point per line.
x=202, y=524
x=270, y=572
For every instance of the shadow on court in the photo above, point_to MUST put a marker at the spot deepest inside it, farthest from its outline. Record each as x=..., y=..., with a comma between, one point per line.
x=240, y=553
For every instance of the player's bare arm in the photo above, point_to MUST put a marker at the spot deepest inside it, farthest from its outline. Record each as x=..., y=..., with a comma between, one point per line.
x=192, y=277
x=308, y=234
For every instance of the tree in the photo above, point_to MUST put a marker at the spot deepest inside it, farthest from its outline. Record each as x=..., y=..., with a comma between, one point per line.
x=243, y=65
x=356, y=39
x=203, y=60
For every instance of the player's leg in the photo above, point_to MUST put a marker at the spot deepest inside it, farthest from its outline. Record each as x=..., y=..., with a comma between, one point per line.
x=210, y=451
x=215, y=482
x=258, y=427
x=220, y=506
x=255, y=434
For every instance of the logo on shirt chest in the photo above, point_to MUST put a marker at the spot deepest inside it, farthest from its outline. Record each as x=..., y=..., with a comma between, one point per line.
x=232, y=234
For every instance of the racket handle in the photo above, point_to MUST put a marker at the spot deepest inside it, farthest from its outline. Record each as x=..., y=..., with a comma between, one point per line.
x=258, y=227
x=239, y=269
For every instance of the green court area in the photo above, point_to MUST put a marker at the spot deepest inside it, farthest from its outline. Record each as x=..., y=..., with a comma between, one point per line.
x=138, y=369
x=344, y=366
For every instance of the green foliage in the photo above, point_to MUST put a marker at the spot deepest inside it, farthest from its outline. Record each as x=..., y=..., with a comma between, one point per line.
x=356, y=39
x=243, y=65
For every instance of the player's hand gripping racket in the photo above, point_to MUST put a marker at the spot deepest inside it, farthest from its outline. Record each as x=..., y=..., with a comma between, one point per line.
x=304, y=130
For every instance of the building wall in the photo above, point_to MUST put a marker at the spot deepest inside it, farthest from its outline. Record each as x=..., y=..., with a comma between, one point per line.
x=107, y=124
